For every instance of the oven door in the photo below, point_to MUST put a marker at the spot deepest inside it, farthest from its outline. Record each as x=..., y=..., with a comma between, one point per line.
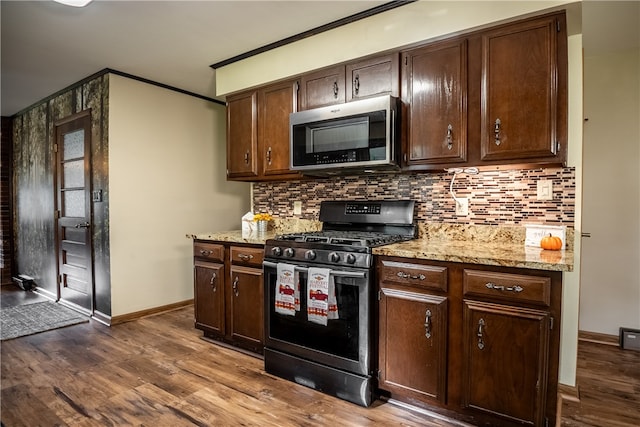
x=344, y=343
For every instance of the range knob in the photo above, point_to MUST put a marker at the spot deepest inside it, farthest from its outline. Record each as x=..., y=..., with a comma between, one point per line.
x=276, y=250
x=334, y=257
x=310, y=254
x=351, y=259
x=289, y=252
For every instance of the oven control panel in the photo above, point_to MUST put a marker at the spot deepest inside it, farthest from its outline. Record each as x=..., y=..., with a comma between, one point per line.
x=363, y=208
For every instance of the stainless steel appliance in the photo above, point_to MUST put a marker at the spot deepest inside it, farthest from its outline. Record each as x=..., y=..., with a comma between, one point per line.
x=337, y=357
x=355, y=136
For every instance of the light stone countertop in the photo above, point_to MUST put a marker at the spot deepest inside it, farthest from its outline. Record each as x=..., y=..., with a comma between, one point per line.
x=472, y=252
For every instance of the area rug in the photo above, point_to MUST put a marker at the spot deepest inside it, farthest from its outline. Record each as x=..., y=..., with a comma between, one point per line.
x=34, y=318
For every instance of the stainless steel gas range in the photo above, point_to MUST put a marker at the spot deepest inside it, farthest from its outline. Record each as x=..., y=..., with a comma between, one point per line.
x=319, y=297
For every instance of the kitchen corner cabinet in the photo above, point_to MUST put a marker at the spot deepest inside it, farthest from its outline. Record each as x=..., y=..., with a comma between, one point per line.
x=258, y=132
x=228, y=294
x=493, y=351
x=523, y=92
x=434, y=89
x=365, y=78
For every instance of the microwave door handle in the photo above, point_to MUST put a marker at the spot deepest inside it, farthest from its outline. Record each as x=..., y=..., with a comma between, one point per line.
x=337, y=273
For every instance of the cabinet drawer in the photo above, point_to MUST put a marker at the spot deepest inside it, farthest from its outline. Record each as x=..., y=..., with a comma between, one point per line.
x=247, y=256
x=210, y=251
x=507, y=286
x=426, y=276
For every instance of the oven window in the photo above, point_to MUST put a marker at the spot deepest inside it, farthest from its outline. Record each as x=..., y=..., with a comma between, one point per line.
x=340, y=337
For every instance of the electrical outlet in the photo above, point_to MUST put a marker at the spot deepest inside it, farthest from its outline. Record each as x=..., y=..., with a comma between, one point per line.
x=462, y=206
x=545, y=189
x=297, y=207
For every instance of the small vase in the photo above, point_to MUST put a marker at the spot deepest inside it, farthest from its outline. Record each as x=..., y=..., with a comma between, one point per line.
x=262, y=226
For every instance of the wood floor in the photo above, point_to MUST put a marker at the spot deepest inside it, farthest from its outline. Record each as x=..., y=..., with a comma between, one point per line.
x=157, y=371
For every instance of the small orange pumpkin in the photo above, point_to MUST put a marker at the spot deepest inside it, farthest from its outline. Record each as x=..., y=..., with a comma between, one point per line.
x=552, y=243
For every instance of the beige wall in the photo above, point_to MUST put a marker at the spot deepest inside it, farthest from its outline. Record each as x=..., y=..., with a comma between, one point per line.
x=167, y=178
x=610, y=287
x=411, y=23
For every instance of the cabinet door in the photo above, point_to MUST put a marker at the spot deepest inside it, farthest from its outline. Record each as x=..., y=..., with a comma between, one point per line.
x=209, y=297
x=276, y=103
x=520, y=91
x=373, y=77
x=323, y=87
x=242, y=136
x=412, y=347
x=505, y=361
x=245, y=305
x=435, y=90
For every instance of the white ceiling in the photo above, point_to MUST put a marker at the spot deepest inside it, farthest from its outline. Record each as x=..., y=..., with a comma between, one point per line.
x=47, y=47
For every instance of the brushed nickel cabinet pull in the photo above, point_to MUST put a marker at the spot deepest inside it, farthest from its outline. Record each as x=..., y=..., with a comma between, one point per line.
x=356, y=83
x=516, y=288
x=235, y=286
x=404, y=275
x=246, y=157
x=245, y=257
x=450, y=137
x=205, y=252
x=427, y=324
x=480, y=337
x=269, y=155
x=214, y=287
x=335, y=90
x=496, y=130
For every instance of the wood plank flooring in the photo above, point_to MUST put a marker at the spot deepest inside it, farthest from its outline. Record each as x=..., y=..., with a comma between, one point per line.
x=157, y=371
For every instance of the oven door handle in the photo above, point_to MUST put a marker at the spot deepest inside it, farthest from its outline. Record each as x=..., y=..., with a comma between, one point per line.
x=337, y=273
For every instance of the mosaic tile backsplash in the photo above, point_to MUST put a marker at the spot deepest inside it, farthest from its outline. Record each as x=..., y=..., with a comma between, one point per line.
x=506, y=197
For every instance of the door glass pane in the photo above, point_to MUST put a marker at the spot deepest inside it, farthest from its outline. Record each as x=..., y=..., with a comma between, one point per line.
x=73, y=174
x=73, y=144
x=74, y=203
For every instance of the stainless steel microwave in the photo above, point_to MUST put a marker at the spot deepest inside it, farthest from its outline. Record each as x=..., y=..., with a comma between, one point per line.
x=337, y=139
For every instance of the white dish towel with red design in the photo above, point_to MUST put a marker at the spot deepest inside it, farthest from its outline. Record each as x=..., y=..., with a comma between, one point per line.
x=287, y=290
x=321, y=296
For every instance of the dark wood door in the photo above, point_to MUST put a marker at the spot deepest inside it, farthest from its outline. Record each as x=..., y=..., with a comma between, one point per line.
x=373, y=77
x=242, y=135
x=435, y=90
x=505, y=361
x=73, y=191
x=323, y=87
x=520, y=90
x=209, y=297
x=245, y=307
x=276, y=103
x=413, y=344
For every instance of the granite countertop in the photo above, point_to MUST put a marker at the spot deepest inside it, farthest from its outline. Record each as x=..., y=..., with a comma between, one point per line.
x=438, y=249
x=236, y=236
x=501, y=254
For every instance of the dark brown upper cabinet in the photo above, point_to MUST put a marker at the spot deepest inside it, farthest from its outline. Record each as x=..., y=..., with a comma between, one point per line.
x=434, y=89
x=242, y=135
x=523, y=91
x=373, y=77
x=323, y=87
x=364, y=78
x=258, y=132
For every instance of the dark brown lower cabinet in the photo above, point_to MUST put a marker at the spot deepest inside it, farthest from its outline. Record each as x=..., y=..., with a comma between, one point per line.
x=228, y=293
x=480, y=343
x=505, y=361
